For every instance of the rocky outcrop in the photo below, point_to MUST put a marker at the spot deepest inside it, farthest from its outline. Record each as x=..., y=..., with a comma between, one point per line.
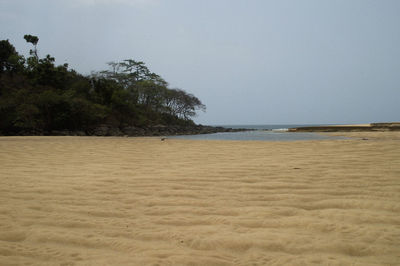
x=395, y=126
x=171, y=130
x=132, y=131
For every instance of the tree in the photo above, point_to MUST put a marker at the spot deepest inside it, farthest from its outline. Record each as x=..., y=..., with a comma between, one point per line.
x=182, y=104
x=38, y=96
x=34, y=40
x=10, y=60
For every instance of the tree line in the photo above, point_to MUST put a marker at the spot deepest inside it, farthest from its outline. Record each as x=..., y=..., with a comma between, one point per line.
x=36, y=95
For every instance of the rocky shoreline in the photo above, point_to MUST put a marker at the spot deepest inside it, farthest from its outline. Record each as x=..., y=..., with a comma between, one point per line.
x=131, y=131
x=394, y=126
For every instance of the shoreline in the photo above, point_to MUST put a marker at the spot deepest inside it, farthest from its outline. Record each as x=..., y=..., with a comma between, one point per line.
x=177, y=130
x=393, y=126
x=105, y=130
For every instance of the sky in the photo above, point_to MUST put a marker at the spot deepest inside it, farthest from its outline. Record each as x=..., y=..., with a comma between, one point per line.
x=248, y=61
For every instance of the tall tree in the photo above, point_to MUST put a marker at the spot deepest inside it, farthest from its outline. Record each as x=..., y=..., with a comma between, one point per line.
x=10, y=60
x=33, y=40
x=38, y=96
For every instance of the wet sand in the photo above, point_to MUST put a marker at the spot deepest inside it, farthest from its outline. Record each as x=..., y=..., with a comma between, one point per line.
x=142, y=201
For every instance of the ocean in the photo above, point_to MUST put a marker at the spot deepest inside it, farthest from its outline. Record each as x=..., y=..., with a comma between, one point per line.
x=260, y=132
x=279, y=127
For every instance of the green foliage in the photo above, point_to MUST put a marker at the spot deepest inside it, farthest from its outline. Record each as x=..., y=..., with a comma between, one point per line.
x=10, y=60
x=150, y=91
x=36, y=95
x=33, y=40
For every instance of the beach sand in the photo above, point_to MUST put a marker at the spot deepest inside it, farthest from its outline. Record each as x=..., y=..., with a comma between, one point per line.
x=142, y=201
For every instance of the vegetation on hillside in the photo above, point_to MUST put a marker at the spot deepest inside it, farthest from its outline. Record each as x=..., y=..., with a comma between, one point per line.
x=38, y=96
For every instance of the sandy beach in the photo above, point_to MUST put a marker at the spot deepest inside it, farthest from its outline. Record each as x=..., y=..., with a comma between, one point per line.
x=142, y=201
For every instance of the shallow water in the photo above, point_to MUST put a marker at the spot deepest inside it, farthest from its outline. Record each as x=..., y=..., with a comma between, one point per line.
x=272, y=126
x=258, y=135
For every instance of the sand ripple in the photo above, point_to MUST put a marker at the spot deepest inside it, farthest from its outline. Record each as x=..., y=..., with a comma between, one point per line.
x=140, y=201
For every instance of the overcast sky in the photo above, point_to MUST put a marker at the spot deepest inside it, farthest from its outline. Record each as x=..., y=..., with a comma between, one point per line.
x=248, y=61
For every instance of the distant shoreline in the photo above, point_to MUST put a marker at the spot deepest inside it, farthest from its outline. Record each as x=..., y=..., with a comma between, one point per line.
x=388, y=126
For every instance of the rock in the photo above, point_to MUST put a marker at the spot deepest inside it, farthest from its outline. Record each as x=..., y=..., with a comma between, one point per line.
x=30, y=132
x=60, y=133
x=101, y=130
x=79, y=133
x=114, y=131
x=132, y=131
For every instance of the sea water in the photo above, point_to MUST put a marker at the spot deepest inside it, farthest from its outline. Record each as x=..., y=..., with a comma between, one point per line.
x=260, y=132
x=283, y=127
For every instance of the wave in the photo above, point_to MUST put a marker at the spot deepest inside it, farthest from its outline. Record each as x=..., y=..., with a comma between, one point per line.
x=280, y=130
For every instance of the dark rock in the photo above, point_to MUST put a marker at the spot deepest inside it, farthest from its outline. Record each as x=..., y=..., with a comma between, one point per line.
x=132, y=131
x=30, y=132
x=114, y=131
x=101, y=130
x=79, y=133
x=60, y=133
